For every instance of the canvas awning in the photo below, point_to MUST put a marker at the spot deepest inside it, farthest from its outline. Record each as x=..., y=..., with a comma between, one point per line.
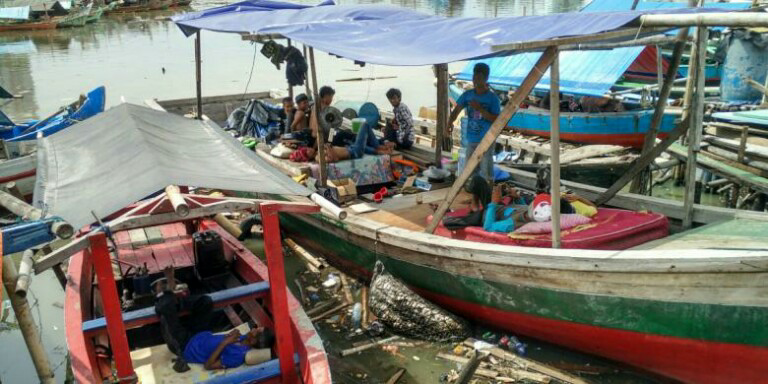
x=390, y=35
x=129, y=152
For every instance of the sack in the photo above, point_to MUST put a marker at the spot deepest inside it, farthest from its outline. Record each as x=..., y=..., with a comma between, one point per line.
x=281, y=151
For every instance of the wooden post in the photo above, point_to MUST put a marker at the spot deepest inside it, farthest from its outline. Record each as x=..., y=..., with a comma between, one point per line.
x=26, y=322
x=198, y=75
x=659, y=67
x=661, y=103
x=498, y=125
x=742, y=144
x=320, y=156
x=696, y=118
x=290, y=87
x=14, y=190
x=273, y=249
x=102, y=265
x=441, y=71
x=554, y=113
x=27, y=212
x=307, y=91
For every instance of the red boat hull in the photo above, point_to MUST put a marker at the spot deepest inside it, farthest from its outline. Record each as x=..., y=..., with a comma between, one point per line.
x=688, y=360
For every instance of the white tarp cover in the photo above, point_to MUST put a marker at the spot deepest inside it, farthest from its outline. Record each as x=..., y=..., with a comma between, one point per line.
x=129, y=152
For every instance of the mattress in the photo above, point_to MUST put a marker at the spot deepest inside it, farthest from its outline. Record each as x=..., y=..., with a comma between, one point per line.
x=610, y=229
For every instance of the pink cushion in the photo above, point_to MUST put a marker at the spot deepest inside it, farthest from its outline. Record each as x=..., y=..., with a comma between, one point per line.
x=567, y=220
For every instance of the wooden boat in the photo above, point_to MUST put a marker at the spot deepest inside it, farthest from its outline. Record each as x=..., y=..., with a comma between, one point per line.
x=20, y=171
x=29, y=25
x=152, y=235
x=96, y=14
x=76, y=18
x=690, y=306
x=142, y=6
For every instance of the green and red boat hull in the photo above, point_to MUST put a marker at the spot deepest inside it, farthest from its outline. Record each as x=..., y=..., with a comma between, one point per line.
x=691, y=341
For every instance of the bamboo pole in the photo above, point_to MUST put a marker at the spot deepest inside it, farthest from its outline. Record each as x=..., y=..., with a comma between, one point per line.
x=469, y=368
x=729, y=19
x=14, y=190
x=177, y=200
x=198, y=77
x=347, y=352
x=227, y=225
x=489, y=140
x=320, y=157
x=25, y=273
x=26, y=323
x=554, y=111
x=695, y=126
x=27, y=212
x=661, y=103
x=441, y=71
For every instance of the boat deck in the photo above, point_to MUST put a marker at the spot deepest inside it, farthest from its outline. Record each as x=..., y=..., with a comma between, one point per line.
x=729, y=234
x=155, y=247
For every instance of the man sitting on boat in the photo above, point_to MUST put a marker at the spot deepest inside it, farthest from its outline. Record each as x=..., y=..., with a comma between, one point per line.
x=192, y=341
x=482, y=107
x=400, y=129
x=300, y=120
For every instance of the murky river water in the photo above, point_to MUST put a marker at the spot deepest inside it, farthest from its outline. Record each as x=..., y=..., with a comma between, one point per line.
x=145, y=56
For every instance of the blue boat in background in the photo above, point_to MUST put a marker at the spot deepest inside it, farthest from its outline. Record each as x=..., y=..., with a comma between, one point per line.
x=92, y=104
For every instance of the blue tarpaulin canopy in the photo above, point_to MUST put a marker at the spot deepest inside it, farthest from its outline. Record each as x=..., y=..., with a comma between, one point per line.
x=581, y=72
x=391, y=35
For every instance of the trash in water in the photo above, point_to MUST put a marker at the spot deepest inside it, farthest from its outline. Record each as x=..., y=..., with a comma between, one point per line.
x=407, y=313
x=332, y=280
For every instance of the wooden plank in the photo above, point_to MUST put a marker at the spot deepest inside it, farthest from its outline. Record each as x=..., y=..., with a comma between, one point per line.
x=138, y=237
x=498, y=125
x=154, y=235
x=554, y=97
x=721, y=168
x=533, y=45
x=696, y=114
x=172, y=239
x=588, y=151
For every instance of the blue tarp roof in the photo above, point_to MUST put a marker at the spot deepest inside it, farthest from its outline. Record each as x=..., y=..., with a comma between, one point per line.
x=390, y=35
x=581, y=72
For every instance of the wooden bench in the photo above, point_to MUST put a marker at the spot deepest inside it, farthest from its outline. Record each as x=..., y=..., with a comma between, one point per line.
x=140, y=317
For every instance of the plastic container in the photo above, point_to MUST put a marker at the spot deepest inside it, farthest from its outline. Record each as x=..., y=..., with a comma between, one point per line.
x=357, y=314
x=357, y=124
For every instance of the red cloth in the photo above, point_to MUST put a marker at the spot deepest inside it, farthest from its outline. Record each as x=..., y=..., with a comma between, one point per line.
x=300, y=155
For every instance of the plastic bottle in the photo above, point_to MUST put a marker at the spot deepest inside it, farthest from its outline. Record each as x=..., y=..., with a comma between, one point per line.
x=357, y=313
x=517, y=346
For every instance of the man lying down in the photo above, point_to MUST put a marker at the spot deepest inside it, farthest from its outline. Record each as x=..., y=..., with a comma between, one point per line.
x=193, y=342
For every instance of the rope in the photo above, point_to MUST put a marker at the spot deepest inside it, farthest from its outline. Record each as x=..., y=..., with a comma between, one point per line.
x=253, y=64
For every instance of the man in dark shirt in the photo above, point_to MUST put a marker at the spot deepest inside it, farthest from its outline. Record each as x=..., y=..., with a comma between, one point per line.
x=192, y=341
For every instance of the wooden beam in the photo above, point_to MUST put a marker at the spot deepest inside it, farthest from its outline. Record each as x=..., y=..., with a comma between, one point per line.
x=489, y=140
x=666, y=89
x=650, y=40
x=320, y=156
x=641, y=162
x=554, y=111
x=696, y=123
x=441, y=71
x=615, y=34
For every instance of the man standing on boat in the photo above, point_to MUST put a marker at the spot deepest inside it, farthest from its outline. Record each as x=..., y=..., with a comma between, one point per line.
x=483, y=106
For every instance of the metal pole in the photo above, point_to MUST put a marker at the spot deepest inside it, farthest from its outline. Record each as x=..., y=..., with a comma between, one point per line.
x=554, y=113
x=320, y=157
x=198, y=75
x=695, y=125
x=26, y=322
x=441, y=71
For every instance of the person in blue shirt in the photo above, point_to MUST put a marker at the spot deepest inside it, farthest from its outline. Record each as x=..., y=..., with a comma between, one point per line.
x=191, y=340
x=482, y=106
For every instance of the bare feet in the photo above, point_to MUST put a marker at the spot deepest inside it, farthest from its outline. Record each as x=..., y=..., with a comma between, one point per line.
x=330, y=154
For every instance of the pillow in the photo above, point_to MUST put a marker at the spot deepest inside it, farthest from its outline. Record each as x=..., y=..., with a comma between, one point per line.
x=568, y=220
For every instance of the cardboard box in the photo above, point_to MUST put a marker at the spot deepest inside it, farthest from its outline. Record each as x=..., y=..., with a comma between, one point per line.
x=346, y=188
